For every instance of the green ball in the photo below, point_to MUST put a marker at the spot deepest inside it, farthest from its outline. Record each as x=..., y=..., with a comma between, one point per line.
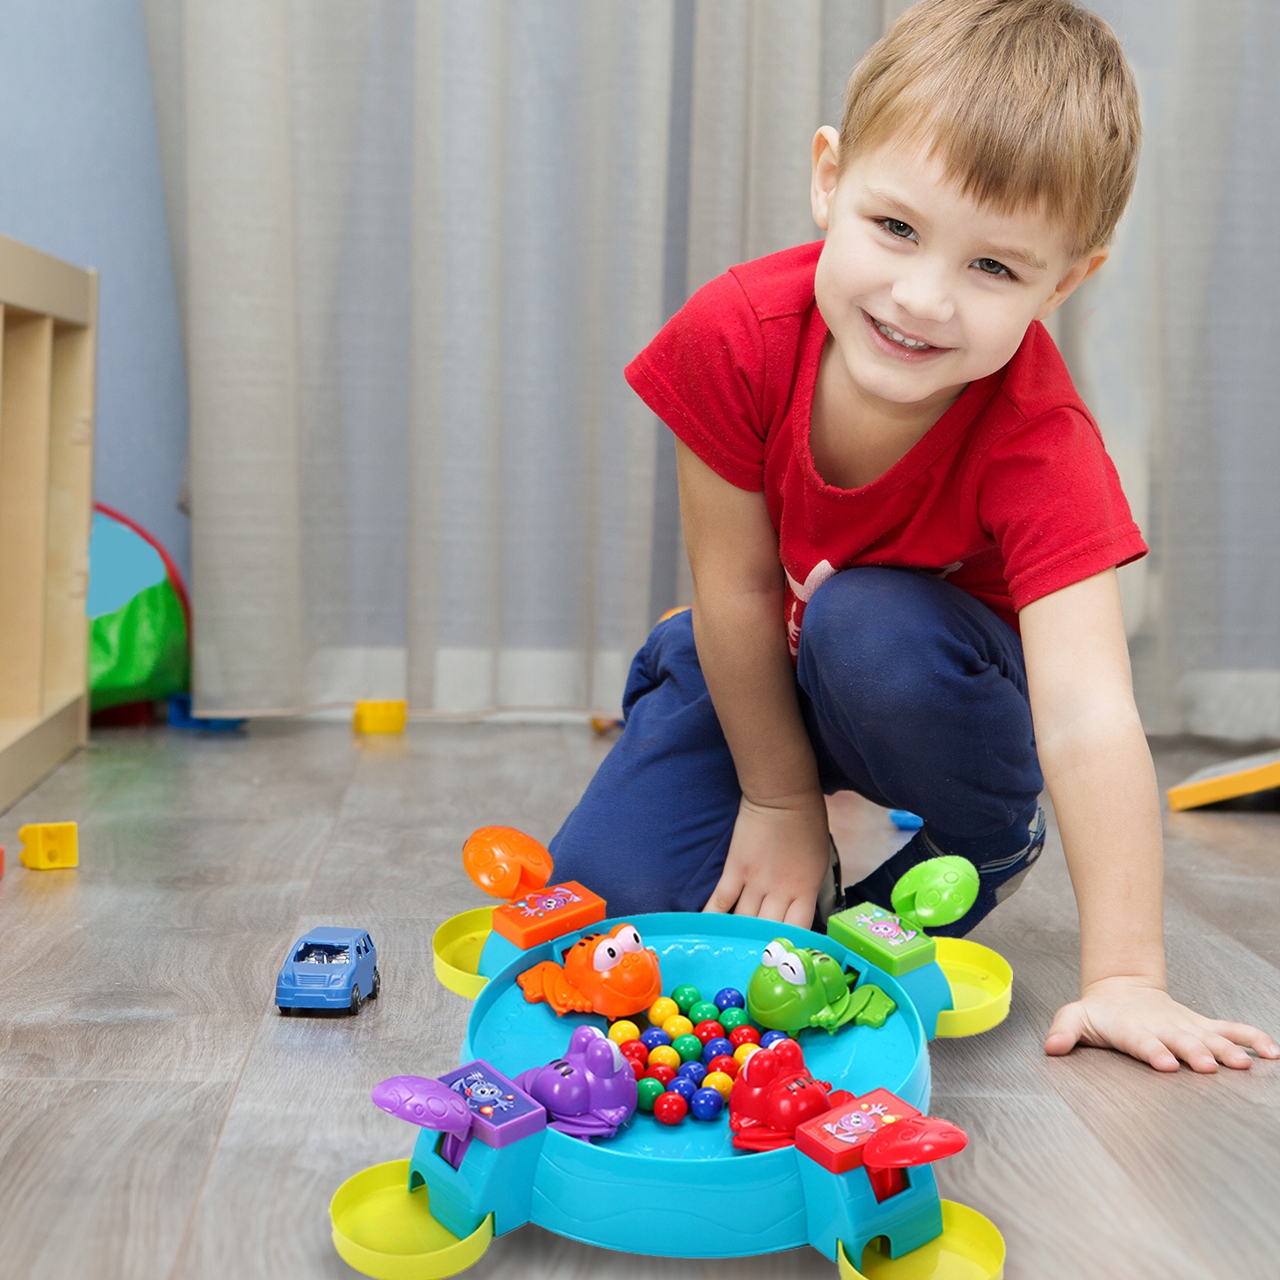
x=704, y=1011
x=686, y=997
x=733, y=1017
x=688, y=1047
x=648, y=1090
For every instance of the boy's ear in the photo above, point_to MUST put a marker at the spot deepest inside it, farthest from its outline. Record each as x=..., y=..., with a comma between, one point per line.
x=1079, y=273
x=826, y=162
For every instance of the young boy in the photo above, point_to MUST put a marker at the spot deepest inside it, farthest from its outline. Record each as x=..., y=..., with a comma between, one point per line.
x=904, y=531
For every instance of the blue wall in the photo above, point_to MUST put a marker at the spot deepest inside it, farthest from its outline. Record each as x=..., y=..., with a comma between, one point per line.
x=80, y=178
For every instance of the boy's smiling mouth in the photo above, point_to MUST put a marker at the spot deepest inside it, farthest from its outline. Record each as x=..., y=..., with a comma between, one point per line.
x=894, y=342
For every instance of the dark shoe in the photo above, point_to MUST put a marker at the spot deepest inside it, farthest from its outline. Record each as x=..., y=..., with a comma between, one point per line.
x=831, y=895
x=998, y=877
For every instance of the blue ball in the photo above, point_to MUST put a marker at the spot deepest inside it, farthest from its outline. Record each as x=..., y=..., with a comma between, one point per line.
x=771, y=1037
x=714, y=1048
x=683, y=1086
x=729, y=997
x=652, y=1037
x=706, y=1104
x=694, y=1071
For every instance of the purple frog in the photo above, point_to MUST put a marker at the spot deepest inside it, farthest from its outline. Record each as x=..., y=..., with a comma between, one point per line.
x=590, y=1092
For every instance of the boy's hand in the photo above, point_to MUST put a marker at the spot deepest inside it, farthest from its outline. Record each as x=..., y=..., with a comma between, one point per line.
x=1144, y=1021
x=777, y=859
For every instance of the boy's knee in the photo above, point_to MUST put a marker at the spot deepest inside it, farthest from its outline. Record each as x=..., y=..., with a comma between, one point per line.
x=872, y=632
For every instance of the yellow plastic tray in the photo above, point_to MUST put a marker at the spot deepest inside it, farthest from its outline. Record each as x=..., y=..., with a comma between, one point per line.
x=969, y=1248
x=981, y=986
x=456, y=947
x=384, y=1231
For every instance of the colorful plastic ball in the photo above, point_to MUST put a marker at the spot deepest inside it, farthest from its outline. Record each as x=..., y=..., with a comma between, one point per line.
x=664, y=1055
x=661, y=1009
x=744, y=1051
x=670, y=1108
x=706, y=1104
x=714, y=1048
x=743, y=1035
x=660, y=1071
x=676, y=1026
x=652, y=1037
x=730, y=998
x=684, y=1087
x=703, y=1011
x=733, y=1017
x=636, y=1049
x=771, y=1037
x=647, y=1090
x=686, y=996
x=688, y=1047
x=638, y=1067
x=624, y=1032
x=720, y=1082
x=695, y=1071
x=709, y=1030
x=726, y=1064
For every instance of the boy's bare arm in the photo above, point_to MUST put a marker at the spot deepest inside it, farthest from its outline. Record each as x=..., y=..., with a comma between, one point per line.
x=779, y=852
x=1098, y=770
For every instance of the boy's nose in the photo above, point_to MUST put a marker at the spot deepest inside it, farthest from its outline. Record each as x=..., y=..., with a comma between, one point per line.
x=924, y=295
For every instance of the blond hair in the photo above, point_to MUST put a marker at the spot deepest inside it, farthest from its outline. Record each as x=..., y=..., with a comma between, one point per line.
x=1026, y=102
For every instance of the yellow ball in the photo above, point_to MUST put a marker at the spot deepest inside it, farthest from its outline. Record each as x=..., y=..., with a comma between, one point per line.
x=744, y=1051
x=718, y=1081
x=624, y=1031
x=662, y=1009
x=663, y=1055
x=677, y=1025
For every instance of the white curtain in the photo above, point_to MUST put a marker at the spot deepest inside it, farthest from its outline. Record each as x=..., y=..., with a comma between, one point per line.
x=418, y=242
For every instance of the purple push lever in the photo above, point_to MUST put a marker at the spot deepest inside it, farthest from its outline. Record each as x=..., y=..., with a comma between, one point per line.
x=430, y=1104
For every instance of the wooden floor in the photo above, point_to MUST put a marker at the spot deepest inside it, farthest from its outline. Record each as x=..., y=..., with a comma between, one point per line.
x=159, y=1119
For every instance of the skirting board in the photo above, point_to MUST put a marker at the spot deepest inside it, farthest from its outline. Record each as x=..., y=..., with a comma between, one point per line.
x=33, y=754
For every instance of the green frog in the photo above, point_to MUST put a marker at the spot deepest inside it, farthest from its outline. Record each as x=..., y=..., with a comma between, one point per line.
x=797, y=987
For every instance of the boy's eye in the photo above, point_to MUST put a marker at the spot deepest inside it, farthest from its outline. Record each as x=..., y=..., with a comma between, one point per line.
x=990, y=267
x=896, y=227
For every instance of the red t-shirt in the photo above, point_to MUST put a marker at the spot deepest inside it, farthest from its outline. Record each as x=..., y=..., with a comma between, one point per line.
x=1010, y=495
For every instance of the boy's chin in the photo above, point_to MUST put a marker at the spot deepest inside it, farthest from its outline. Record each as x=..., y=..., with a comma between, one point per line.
x=905, y=386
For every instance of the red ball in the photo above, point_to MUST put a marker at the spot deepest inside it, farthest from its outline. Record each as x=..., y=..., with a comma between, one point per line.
x=726, y=1064
x=638, y=1067
x=636, y=1050
x=709, y=1030
x=670, y=1108
x=659, y=1072
x=744, y=1035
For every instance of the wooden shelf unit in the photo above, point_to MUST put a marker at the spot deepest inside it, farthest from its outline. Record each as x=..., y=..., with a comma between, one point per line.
x=48, y=319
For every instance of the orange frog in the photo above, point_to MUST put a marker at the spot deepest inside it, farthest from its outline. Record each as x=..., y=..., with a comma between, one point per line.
x=613, y=974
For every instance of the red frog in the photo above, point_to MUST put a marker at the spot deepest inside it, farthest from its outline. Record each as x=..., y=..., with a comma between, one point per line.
x=773, y=1094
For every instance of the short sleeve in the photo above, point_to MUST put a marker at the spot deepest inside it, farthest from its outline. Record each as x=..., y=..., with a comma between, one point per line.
x=703, y=375
x=1050, y=497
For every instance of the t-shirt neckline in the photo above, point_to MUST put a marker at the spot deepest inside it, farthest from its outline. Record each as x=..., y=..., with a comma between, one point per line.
x=954, y=421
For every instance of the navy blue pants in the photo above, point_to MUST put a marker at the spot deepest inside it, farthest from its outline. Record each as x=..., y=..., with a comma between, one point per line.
x=914, y=694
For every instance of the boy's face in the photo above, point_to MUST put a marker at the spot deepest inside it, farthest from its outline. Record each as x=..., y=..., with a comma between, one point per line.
x=923, y=289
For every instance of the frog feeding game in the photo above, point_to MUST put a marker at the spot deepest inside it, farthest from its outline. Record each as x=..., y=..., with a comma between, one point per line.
x=613, y=1071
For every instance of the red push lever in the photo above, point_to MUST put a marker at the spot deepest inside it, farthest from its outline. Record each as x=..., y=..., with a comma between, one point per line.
x=919, y=1140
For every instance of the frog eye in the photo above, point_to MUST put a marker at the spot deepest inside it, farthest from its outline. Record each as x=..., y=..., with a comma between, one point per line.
x=773, y=953
x=629, y=939
x=608, y=953
x=792, y=969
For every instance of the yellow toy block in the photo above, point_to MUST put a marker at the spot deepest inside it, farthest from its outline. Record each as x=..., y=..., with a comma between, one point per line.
x=381, y=717
x=47, y=846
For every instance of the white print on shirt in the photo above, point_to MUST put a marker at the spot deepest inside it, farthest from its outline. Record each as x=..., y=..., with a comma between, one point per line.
x=803, y=593
x=948, y=570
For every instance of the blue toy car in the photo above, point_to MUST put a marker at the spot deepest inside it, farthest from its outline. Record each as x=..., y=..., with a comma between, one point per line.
x=329, y=969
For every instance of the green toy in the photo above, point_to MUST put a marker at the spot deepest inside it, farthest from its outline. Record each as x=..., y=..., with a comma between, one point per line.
x=796, y=987
x=932, y=894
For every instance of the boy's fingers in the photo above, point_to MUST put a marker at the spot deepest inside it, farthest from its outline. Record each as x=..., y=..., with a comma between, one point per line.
x=725, y=895
x=800, y=912
x=1065, y=1031
x=1154, y=1051
x=1227, y=1053
x=1250, y=1037
x=1192, y=1050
